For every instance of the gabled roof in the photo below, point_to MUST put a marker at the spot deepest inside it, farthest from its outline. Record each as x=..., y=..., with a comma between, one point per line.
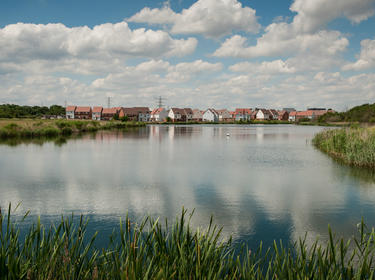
x=188, y=111
x=157, y=111
x=243, y=111
x=71, y=108
x=293, y=113
x=136, y=110
x=178, y=111
x=265, y=111
x=97, y=109
x=213, y=111
x=83, y=109
x=273, y=112
x=112, y=111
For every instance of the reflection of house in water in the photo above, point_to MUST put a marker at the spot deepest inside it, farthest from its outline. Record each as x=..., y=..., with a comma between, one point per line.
x=183, y=131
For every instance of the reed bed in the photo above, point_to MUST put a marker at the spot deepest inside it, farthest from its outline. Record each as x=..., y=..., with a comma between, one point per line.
x=354, y=146
x=150, y=250
x=54, y=128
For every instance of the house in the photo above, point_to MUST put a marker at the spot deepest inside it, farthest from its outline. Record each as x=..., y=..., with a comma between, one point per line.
x=243, y=114
x=69, y=112
x=158, y=115
x=254, y=113
x=292, y=116
x=263, y=114
x=97, y=113
x=141, y=114
x=210, y=115
x=108, y=114
x=197, y=115
x=283, y=115
x=177, y=115
x=83, y=113
x=274, y=114
x=189, y=114
x=224, y=115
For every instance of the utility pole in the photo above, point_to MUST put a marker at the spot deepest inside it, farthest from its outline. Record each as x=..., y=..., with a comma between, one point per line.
x=109, y=102
x=160, y=102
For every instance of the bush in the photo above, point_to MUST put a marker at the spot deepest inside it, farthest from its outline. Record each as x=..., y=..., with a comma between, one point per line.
x=50, y=132
x=66, y=131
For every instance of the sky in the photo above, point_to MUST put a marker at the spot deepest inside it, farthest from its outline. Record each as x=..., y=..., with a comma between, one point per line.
x=200, y=54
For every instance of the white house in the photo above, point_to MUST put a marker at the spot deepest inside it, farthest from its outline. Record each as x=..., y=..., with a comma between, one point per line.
x=158, y=115
x=210, y=115
x=69, y=112
x=197, y=115
x=97, y=113
x=189, y=114
x=177, y=114
x=263, y=114
x=224, y=115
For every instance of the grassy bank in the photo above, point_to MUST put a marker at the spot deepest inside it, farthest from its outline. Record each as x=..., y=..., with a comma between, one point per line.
x=152, y=251
x=354, y=146
x=29, y=128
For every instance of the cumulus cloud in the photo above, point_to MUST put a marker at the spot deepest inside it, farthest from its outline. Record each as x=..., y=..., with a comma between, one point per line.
x=280, y=40
x=314, y=14
x=52, y=42
x=211, y=18
x=305, y=34
x=366, y=58
x=266, y=67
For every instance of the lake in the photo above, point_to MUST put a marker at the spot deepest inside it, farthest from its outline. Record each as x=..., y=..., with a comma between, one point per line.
x=260, y=182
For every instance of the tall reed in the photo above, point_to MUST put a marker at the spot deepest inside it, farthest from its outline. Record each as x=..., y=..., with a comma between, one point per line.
x=354, y=146
x=149, y=250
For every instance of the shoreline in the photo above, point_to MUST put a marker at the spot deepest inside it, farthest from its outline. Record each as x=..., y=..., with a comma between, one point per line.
x=153, y=250
x=353, y=146
x=36, y=128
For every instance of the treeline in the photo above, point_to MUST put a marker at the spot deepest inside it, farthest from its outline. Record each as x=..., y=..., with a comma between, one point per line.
x=17, y=111
x=364, y=113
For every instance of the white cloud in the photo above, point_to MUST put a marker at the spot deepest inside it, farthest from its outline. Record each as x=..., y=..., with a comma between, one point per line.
x=211, y=18
x=366, y=58
x=21, y=43
x=265, y=67
x=280, y=40
x=305, y=34
x=314, y=14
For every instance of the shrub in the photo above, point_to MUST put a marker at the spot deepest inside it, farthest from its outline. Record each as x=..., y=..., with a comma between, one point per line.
x=50, y=132
x=66, y=131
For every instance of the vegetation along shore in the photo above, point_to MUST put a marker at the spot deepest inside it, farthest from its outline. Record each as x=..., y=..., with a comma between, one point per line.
x=353, y=146
x=34, y=128
x=151, y=251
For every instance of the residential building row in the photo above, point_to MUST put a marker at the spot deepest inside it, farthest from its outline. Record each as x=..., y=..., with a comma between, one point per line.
x=144, y=114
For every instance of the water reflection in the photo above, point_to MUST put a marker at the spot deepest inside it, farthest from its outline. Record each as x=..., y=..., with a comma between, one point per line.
x=260, y=182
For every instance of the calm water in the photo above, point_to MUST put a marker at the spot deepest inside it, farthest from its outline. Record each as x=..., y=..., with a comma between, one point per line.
x=260, y=183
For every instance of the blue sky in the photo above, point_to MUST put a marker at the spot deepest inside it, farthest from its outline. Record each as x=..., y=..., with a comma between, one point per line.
x=206, y=53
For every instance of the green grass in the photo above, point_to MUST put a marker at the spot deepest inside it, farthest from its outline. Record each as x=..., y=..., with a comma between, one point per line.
x=354, y=146
x=27, y=128
x=150, y=250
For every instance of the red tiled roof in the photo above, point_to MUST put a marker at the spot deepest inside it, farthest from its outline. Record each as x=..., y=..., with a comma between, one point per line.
x=135, y=110
x=157, y=111
x=243, y=111
x=70, y=108
x=97, y=109
x=293, y=113
x=83, y=109
x=109, y=111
